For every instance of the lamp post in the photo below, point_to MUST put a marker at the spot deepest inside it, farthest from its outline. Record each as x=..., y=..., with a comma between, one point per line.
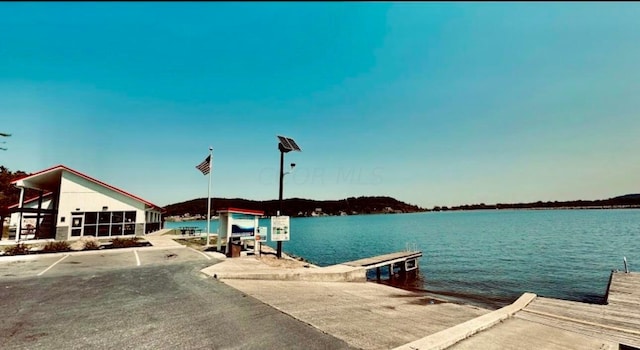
x=285, y=145
x=4, y=134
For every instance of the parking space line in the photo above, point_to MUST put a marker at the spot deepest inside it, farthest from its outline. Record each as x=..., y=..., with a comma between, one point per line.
x=201, y=253
x=137, y=257
x=52, y=265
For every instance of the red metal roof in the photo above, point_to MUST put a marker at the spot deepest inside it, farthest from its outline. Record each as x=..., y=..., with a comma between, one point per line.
x=241, y=211
x=87, y=177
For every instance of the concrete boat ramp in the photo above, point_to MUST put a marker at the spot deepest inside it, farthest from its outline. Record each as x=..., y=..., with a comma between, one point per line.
x=338, y=300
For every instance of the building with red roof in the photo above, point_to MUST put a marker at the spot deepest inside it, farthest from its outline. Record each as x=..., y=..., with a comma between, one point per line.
x=72, y=205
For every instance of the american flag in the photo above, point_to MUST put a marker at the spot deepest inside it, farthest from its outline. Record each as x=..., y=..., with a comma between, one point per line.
x=205, y=166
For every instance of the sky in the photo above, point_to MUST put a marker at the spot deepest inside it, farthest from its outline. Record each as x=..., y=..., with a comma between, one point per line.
x=430, y=103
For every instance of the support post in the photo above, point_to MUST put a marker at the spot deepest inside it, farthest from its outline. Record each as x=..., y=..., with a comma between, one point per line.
x=279, y=243
x=209, y=196
x=37, y=233
x=378, y=274
x=20, y=204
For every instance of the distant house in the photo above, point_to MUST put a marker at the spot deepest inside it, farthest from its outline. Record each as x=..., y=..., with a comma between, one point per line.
x=72, y=205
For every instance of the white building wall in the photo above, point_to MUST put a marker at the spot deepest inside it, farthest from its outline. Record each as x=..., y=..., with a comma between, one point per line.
x=79, y=195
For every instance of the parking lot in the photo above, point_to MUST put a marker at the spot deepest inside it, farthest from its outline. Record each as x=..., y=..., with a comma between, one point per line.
x=73, y=263
x=138, y=299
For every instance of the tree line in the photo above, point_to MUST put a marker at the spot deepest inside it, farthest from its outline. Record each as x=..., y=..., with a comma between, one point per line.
x=626, y=201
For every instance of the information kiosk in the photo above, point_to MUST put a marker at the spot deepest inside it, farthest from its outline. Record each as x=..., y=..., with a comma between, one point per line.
x=236, y=227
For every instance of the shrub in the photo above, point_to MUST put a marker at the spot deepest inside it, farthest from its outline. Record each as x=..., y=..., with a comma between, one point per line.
x=18, y=249
x=124, y=242
x=57, y=246
x=91, y=244
x=86, y=243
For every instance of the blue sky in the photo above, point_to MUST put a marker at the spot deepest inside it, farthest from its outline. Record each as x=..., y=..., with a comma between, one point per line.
x=430, y=103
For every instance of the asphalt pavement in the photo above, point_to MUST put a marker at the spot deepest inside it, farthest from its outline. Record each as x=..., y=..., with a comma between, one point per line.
x=138, y=300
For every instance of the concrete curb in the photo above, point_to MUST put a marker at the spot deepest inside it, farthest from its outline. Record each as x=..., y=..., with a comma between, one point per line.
x=450, y=336
x=260, y=271
x=352, y=276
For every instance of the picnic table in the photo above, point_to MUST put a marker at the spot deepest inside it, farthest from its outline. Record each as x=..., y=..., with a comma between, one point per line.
x=190, y=230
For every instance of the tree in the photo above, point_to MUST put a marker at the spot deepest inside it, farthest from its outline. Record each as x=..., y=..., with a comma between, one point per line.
x=10, y=194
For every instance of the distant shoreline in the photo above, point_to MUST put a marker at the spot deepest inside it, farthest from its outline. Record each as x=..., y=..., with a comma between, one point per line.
x=542, y=208
x=447, y=210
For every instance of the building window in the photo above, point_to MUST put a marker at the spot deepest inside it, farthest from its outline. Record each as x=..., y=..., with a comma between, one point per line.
x=104, y=223
x=90, y=218
x=130, y=216
x=129, y=229
x=104, y=217
x=117, y=217
x=62, y=219
x=116, y=230
x=90, y=230
x=103, y=230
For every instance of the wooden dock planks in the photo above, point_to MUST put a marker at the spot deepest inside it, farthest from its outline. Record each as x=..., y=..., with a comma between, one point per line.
x=382, y=260
x=618, y=320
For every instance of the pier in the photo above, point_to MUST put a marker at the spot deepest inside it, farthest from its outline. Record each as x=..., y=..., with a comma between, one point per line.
x=405, y=261
x=617, y=321
x=546, y=323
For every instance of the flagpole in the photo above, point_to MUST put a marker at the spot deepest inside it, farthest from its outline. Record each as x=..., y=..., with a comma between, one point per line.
x=209, y=196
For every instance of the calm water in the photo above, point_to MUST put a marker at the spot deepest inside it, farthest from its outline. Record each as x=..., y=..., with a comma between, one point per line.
x=491, y=257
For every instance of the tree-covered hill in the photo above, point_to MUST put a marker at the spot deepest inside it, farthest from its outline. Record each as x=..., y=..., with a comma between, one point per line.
x=296, y=206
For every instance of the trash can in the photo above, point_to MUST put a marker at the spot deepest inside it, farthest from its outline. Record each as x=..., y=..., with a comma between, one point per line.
x=234, y=250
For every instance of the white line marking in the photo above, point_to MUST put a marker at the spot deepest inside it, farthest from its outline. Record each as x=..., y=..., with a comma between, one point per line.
x=52, y=265
x=201, y=253
x=137, y=257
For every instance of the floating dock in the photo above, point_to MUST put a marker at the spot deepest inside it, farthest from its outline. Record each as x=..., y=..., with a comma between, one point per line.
x=546, y=323
x=617, y=321
x=404, y=261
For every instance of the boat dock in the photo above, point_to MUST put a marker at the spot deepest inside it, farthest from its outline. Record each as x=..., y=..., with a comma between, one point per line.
x=617, y=321
x=546, y=323
x=403, y=261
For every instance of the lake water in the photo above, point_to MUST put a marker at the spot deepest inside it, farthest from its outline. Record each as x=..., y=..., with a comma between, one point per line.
x=490, y=257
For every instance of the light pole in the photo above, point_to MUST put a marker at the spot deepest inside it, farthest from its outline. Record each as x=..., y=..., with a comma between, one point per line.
x=285, y=145
x=4, y=134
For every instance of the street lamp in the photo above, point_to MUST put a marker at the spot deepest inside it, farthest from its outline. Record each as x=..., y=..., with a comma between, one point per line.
x=285, y=145
x=4, y=134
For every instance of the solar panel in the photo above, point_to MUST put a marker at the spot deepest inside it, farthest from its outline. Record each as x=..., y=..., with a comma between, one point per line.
x=285, y=143
x=288, y=144
x=294, y=145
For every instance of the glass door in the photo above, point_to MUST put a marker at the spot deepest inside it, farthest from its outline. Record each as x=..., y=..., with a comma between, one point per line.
x=76, y=226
